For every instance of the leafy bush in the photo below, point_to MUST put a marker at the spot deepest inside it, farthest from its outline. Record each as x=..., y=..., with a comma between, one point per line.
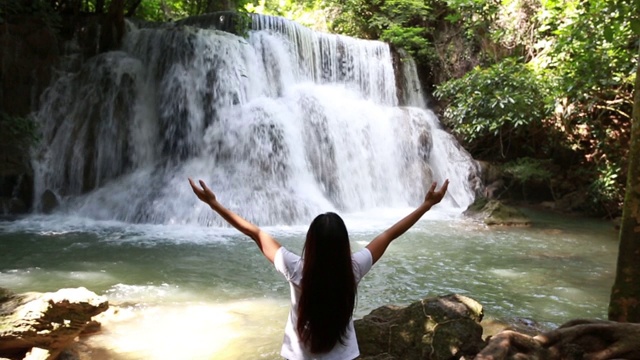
x=606, y=195
x=18, y=130
x=411, y=39
x=527, y=171
x=506, y=102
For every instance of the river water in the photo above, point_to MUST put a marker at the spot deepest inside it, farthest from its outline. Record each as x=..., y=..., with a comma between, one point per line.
x=193, y=292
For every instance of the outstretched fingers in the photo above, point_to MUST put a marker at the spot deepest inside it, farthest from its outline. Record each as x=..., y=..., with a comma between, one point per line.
x=433, y=187
x=444, y=187
x=195, y=187
x=436, y=196
x=202, y=192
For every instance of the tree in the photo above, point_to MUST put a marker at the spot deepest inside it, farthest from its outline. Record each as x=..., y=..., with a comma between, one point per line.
x=112, y=26
x=624, y=305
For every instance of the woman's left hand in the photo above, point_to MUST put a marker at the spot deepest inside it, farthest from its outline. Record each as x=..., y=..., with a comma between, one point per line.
x=203, y=192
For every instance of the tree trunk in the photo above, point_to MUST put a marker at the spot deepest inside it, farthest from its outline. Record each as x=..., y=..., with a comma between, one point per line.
x=131, y=11
x=99, y=6
x=624, y=305
x=112, y=27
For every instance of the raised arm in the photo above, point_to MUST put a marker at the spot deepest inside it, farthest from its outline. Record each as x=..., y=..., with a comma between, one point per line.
x=379, y=244
x=268, y=245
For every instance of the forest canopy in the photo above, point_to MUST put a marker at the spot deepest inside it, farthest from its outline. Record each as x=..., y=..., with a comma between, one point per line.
x=543, y=86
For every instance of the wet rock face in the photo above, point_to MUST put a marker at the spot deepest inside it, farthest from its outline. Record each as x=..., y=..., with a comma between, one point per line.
x=28, y=53
x=16, y=177
x=28, y=50
x=434, y=328
x=47, y=321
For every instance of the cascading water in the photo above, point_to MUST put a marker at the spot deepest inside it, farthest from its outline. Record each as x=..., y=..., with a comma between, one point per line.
x=283, y=124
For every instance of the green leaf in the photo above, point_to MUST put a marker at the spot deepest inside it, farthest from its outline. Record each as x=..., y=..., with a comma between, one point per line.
x=453, y=18
x=608, y=33
x=635, y=26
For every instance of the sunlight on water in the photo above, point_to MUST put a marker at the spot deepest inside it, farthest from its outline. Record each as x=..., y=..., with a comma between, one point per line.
x=191, y=331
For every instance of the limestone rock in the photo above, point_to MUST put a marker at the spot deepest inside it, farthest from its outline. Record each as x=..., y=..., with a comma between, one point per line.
x=573, y=201
x=49, y=321
x=494, y=212
x=434, y=328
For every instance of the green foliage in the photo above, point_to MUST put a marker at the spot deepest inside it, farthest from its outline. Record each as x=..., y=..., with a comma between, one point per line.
x=591, y=57
x=169, y=10
x=528, y=169
x=579, y=72
x=307, y=13
x=354, y=18
x=17, y=129
x=154, y=10
x=593, y=47
x=412, y=39
x=403, y=23
x=529, y=172
x=506, y=101
x=606, y=193
x=473, y=15
x=399, y=24
x=403, y=12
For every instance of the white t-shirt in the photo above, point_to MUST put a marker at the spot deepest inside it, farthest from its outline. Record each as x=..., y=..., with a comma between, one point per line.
x=290, y=265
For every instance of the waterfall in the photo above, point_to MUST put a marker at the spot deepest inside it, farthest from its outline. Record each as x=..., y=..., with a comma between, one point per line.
x=283, y=124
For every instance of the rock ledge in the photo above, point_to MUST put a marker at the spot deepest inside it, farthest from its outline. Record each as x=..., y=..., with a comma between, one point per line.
x=45, y=323
x=434, y=328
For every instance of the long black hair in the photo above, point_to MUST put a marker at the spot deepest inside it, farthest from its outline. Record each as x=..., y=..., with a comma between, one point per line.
x=328, y=287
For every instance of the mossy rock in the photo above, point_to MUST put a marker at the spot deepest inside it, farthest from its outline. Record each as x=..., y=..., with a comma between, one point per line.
x=494, y=212
x=5, y=294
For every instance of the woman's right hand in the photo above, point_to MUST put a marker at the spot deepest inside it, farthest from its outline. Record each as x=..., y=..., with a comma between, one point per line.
x=379, y=244
x=433, y=197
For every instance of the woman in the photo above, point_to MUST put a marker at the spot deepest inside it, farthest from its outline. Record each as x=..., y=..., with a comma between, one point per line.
x=323, y=282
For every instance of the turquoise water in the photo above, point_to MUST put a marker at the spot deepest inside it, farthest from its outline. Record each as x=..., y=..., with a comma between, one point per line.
x=192, y=292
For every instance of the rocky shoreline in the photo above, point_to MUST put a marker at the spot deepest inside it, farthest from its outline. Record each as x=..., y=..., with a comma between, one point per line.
x=49, y=326
x=38, y=326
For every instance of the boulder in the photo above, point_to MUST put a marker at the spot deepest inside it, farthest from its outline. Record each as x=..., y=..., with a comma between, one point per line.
x=32, y=324
x=574, y=201
x=494, y=212
x=16, y=175
x=435, y=328
x=49, y=201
